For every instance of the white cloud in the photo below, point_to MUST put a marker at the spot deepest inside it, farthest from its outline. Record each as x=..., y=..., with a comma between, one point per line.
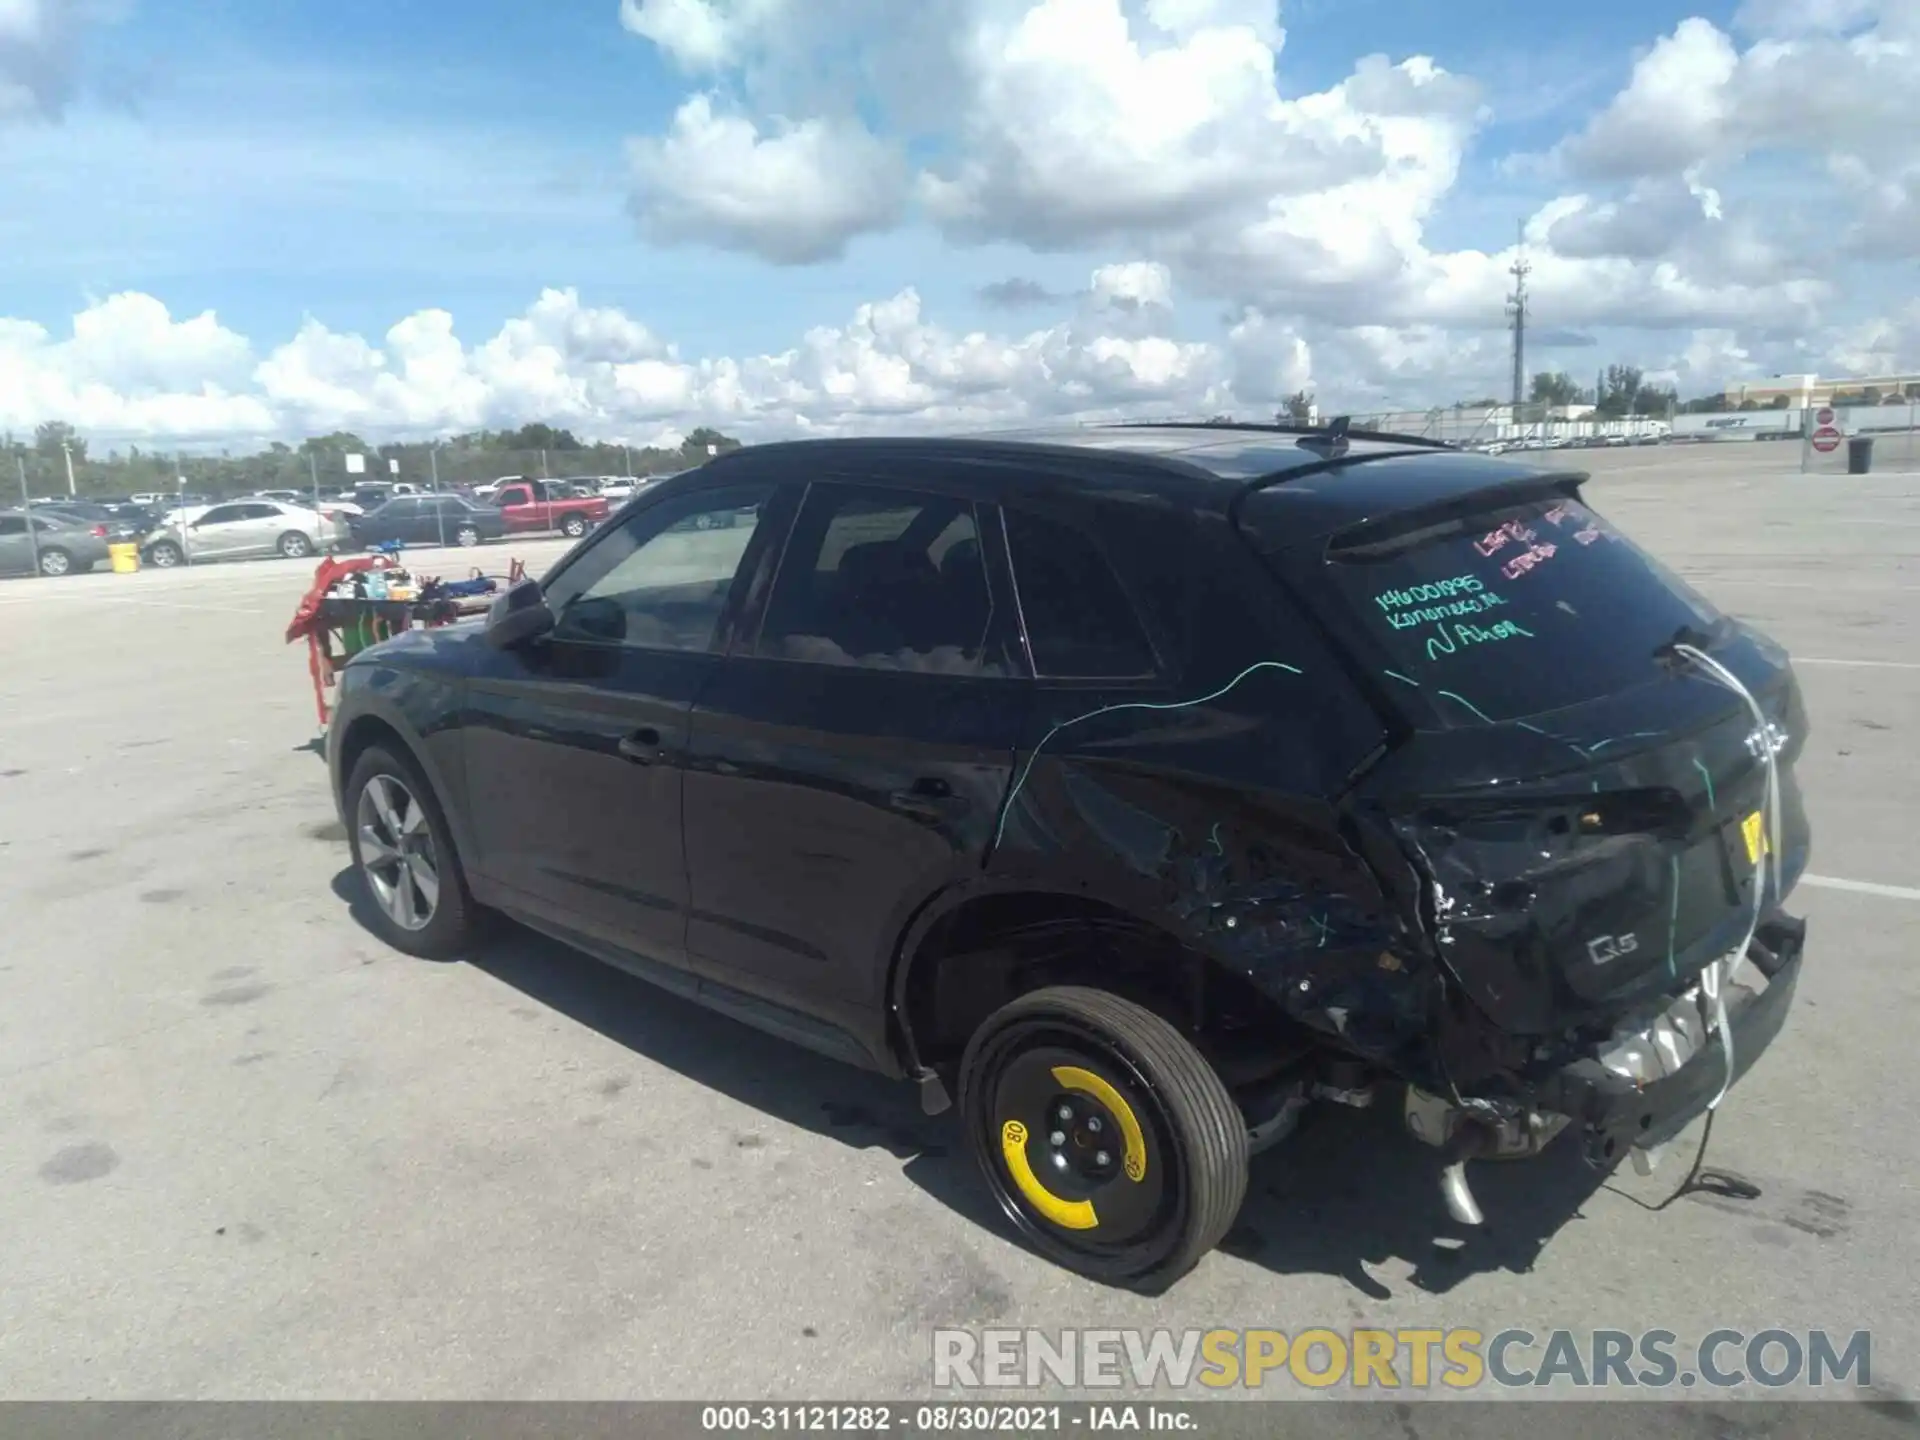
x=794, y=194
x=129, y=371
x=1165, y=127
x=129, y=367
x=699, y=34
x=1808, y=84
x=1884, y=345
x=1803, y=17
x=1082, y=126
x=39, y=53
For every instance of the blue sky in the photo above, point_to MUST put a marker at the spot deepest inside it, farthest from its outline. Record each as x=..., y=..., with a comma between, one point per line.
x=1713, y=191
x=362, y=159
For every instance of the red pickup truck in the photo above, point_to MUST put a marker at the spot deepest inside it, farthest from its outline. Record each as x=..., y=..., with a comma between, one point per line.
x=547, y=505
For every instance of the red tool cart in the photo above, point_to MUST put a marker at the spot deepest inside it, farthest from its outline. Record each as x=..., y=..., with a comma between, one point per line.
x=338, y=626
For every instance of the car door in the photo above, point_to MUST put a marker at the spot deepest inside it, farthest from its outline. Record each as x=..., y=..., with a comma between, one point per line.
x=435, y=519
x=261, y=526
x=400, y=520
x=850, y=759
x=574, y=745
x=375, y=526
x=218, y=534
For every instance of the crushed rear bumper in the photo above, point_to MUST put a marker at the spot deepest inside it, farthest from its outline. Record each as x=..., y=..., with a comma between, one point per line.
x=1632, y=1093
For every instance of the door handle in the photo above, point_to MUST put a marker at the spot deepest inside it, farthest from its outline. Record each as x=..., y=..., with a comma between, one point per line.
x=642, y=746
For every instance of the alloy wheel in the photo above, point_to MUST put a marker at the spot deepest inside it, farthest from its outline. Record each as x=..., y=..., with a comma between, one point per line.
x=397, y=852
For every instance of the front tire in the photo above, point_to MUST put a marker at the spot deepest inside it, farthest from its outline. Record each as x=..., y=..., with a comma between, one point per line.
x=165, y=555
x=55, y=562
x=403, y=854
x=573, y=527
x=295, y=546
x=1105, y=1136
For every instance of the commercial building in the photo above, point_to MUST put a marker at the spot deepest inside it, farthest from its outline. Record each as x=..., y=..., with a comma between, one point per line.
x=1800, y=391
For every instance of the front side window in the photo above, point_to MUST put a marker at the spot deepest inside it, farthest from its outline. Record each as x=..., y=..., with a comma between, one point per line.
x=1080, y=624
x=661, y=581
x=221, y=515
x=884, y=580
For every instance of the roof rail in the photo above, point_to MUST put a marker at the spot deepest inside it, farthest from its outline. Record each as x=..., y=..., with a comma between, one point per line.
x=1335, y=432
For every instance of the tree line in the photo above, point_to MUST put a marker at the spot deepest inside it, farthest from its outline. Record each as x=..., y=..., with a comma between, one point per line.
x=469, y=459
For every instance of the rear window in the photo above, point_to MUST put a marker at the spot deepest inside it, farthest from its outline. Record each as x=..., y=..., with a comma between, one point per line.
x=1516, y=611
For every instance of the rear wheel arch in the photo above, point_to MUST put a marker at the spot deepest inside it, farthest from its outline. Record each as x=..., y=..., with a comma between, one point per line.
x=960, y=961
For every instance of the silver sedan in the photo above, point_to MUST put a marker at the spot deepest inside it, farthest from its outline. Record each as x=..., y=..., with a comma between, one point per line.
x=53, y=546
x=241, y=530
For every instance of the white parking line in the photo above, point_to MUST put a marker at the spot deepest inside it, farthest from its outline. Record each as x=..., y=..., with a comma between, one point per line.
x=1713, y=578
x=1861, y=887
x=1860, y=664
x=132, y=600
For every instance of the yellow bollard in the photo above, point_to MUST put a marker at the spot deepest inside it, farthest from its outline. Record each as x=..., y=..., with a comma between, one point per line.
x=125, y=559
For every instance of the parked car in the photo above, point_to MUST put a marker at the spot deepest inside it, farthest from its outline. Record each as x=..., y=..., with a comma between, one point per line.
x=428, y=520
x=240, y=530
x=530, y=505
x=1133, y=787
x=49, y=543
x=107, y=522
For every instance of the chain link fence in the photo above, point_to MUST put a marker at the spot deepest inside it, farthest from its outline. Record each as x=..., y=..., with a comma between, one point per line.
x=43, y=474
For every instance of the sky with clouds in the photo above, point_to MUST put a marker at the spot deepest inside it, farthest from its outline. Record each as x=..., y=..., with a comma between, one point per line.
x=229, y=221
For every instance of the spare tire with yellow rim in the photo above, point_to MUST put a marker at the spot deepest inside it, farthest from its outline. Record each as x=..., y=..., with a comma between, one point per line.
x=1107, y=1138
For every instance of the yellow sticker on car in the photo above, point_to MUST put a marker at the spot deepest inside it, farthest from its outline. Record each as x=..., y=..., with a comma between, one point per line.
x=1754, y=831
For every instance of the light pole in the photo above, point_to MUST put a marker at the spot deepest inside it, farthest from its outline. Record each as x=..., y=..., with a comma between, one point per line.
x=64, y=450
x=439, y=509
x=26, y=509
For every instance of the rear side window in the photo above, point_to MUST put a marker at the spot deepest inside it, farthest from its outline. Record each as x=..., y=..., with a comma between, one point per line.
x=884, y=580
x=1517, y=611
x=1080, y=624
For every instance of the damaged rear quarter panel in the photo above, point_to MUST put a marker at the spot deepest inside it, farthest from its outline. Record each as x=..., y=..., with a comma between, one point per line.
x=1219, y=821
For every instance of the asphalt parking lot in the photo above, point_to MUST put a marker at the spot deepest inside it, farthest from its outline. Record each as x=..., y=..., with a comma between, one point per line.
x=248, y=1152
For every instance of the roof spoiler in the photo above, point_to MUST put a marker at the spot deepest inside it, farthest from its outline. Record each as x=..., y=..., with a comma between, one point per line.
x=1390, y=531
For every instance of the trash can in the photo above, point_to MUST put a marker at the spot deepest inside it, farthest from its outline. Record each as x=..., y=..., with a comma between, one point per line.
x=1859, y=455
x=125, y=559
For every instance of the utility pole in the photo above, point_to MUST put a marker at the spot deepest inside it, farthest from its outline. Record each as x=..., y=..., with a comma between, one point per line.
x=64, y=450
x=1517, y=308
x=439, y=510
x=26, y=509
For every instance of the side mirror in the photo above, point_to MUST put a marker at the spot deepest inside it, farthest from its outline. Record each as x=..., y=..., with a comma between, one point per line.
x=519, y=615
